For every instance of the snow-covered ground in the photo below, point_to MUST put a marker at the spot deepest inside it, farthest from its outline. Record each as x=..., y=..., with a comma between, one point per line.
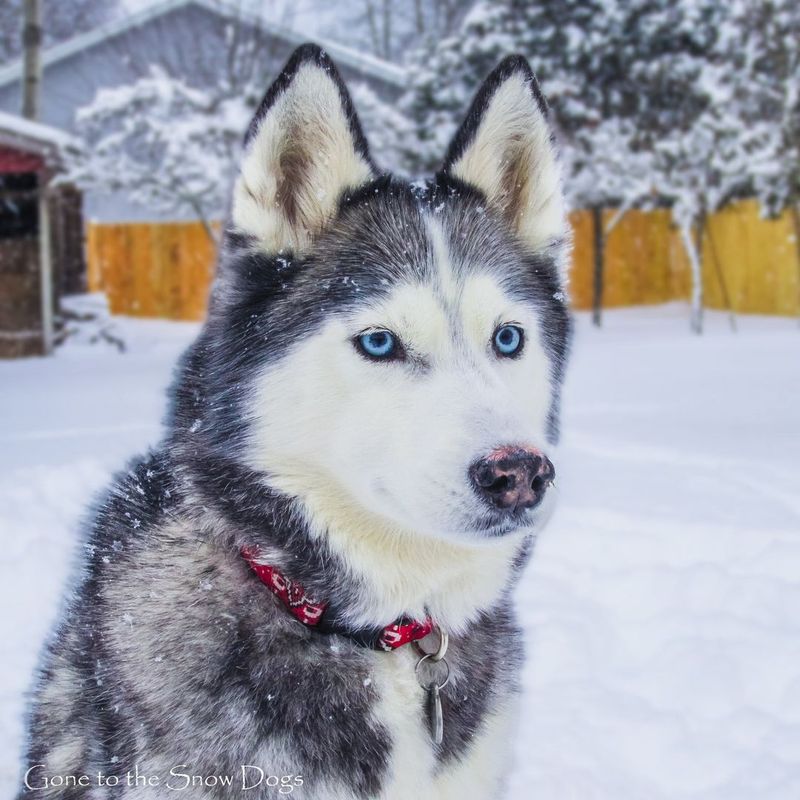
x=663, y=603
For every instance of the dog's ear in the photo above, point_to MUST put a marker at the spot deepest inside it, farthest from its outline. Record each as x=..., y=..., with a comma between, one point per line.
x=505, y=148
x=303, y=149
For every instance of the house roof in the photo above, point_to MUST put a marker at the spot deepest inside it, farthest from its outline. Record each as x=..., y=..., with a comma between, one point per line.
x=30, y=136
x=361, y=62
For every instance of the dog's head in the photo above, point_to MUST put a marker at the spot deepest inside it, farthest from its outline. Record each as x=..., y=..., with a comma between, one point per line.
x=385, y=350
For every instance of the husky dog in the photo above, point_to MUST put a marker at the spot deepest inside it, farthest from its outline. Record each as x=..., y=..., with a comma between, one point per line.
x=307, y=587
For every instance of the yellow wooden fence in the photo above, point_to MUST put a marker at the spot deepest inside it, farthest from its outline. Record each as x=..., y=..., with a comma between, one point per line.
x=165, y=270
x=757, y=257
x=152, y=269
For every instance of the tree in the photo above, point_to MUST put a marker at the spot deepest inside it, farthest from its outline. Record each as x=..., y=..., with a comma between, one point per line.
x=681, y=125
x=387, y=129
x=172, y=147
x=576, y=49
x=762, y=45
x=170, y=139
x=62, y=20
x=389, y=30
x=168, y=145
x=736, y=129
x=633, y=86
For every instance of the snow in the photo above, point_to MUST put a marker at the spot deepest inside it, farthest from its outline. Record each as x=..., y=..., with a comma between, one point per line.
x=663, y=603
x=33, y=131
x=662, y=606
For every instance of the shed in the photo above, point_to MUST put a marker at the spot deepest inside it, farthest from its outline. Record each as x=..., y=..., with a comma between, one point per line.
x=41, y=236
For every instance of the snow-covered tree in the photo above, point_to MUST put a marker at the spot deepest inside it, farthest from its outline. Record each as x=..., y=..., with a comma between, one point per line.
x=636, y=88
x=387, y=28
x=682, y=123
x=735, y=128
x=762, y=46
x=60, y=20
x=583, y=52
x=387, y=129
x=170, y=139
x=171, y=147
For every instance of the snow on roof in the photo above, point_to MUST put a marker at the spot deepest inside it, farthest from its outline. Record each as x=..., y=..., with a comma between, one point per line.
x=20, y=132
x=361, y=62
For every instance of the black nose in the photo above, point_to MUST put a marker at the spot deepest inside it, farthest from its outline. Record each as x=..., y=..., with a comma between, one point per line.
x=512, y=478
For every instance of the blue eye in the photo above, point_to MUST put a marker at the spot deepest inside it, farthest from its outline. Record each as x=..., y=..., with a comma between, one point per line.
x=377, y=344
x=508, y=340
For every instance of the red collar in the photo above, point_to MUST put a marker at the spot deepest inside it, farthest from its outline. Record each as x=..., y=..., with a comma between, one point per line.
x=311, y=612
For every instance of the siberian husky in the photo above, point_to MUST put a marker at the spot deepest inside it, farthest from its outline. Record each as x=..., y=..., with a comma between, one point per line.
x=307, y=588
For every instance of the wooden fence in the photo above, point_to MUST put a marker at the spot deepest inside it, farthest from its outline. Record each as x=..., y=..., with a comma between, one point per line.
x=165, y=270
x=152, y=269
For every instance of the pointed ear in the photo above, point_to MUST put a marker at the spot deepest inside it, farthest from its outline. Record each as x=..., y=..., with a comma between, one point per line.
x=505, y=149
x=303, y=149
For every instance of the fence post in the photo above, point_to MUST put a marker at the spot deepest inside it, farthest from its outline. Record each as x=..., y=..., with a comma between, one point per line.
x=796, y=221
x=46, y=269
x=597, y=285
x=723, y=284
x=699, y=289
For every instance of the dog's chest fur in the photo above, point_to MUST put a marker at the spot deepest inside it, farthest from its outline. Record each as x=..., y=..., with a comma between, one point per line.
x=174, y=653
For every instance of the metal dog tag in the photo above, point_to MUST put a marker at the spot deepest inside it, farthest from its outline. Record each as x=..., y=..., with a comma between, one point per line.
x=435, y=711
x=433, y=685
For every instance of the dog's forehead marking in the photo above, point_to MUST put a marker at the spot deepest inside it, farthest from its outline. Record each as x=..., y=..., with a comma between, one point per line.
x=450, y=307
x=448, y=283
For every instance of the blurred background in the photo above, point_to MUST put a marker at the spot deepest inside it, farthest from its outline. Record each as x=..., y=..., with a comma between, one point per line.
x=679, y=124
x=663, y=606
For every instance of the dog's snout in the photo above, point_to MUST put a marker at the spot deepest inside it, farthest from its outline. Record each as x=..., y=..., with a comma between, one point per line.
x=512, y=478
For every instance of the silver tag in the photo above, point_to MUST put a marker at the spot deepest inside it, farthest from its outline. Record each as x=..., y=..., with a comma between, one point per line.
x=433, y=685
x=435, y=710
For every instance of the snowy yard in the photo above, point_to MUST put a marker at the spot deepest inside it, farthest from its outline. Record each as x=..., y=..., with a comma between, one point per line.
x=662, y=606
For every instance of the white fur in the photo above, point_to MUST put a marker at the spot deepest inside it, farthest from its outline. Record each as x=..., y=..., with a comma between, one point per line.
x=413, y=773
x=512, y=161
x=447, y=284
x=379, y=453
x=306, y=125
x=401, y=710
x=484, y=772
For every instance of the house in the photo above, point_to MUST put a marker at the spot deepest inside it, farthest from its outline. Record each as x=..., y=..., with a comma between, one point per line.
x=41, y=236
x=191, y=40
